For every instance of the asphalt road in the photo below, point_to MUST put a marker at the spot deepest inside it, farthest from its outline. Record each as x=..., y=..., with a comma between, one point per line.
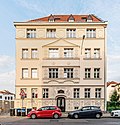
x=62, y=121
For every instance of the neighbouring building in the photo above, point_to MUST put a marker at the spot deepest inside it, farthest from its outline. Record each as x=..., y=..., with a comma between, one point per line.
x=61, y=60
x=6, y=101
x=111, y=87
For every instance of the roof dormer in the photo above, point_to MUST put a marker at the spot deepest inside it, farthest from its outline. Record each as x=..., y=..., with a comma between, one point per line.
x=71, y=18
x=51, y=18
x=89, y=18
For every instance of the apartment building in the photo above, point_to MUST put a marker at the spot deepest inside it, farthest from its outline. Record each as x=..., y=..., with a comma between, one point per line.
x=61, y=60
x=6, y=101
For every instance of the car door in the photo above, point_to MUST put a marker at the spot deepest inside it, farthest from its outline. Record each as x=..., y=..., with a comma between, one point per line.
x=43, y=112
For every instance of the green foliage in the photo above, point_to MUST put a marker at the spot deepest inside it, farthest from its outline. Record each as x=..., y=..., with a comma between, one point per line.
x=114, y=97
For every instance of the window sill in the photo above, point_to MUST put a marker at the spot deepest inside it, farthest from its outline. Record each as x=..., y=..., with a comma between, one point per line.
x=92, y=58
x=61, y=58
x=92, y=78
x=29, y=78
x=29, y=58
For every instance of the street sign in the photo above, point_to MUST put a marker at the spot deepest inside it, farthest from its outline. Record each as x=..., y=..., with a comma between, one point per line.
x=22, y=94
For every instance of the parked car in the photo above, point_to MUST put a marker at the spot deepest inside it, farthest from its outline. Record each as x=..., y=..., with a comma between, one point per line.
x=86, y=112
x=45, y=112
x=115, y=113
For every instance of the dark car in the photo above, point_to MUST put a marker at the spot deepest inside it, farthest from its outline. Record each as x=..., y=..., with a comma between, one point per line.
x=86, y=112
x=45, y=112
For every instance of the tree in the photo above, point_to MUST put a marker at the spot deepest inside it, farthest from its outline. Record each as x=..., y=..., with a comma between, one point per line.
x=114, y=97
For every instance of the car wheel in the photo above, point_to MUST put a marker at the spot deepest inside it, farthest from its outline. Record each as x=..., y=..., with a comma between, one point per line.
x=33, y=116
x=55, y=116
x=76, y=116
x=97, y=116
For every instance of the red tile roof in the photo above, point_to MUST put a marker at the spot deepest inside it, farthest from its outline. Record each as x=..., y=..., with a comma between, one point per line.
x=6, y=92
x=112, y=82
x=64, y=18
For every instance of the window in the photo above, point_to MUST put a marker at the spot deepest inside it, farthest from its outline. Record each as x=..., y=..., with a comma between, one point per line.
x=68, y=72
x=24, y=53
x=5, y=97
x=51, y=33
x=87, y=72
x=85, y=108
x=71, y=33
x=60, y=91
x=91, y=33
x=76, y=92
x=31, y=33
x=34, y=73
x=76, y=107
x=96, y=53
x=96, y=72
x=8, y=98
x=87, y=92
x=97, y=92
x=0, y=97
x=68, y=52
x=87, y=53
x=25, y=91
x=53, y=53
x=34, y=93
x=45, y=93
x=25, y=73
x=11, y=98
x=34, y=53
x=53, y=73
x=52, y=108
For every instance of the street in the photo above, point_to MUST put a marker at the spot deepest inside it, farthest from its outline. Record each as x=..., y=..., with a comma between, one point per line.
x=62, y=121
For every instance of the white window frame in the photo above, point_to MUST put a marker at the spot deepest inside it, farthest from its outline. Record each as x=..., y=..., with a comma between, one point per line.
x=34, y=53
x=91, y=33
x=51, y=33
x=34, y=73
x=76, y=93
x=24, y=53
x=87, y=72
x=53, y=72
x=34, y=93
x=31, y=33
x=96, y=72
x=98, y=92
x=87, y=92
x=68, y=52
x=45, y=93
x=97, y=53
x=53, y=53
x=87, y=53
x=68, y=72
x=71, y=33
x=25, y=73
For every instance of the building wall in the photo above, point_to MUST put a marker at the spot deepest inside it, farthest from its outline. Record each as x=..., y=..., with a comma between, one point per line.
x=79, y=63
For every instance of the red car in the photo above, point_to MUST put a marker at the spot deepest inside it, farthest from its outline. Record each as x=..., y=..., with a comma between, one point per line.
x=45, y=112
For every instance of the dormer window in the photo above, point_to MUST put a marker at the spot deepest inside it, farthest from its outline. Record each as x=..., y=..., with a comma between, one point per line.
x=51, y=18
x=71, y=18
x=89, y=18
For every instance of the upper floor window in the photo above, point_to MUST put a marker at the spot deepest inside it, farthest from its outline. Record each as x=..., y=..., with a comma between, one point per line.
x=53, y=52
x=97, y=92
x=34, y=93
x=96, y=72
x=25, y=73
x=53, y=73
x=5, y=97
x=87, y=53
x=97, y=53
x=87, y=92
x=68, y=52
x=11, y=98
x=76, y=92
x=87, y=72
x=68, y=72
x=34, y=73
x=24, y=53
x=25, y=91
x=51, y=33
x=31, y=33
x=91, y=33
x=0, y=97
x=45, y=92
x=34, y=53
x=71, y=33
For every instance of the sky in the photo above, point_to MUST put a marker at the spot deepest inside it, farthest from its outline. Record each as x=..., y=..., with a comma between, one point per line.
x=23, y=10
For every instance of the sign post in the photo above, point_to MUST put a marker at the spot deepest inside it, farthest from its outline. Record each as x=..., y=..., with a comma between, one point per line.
x=22, y=94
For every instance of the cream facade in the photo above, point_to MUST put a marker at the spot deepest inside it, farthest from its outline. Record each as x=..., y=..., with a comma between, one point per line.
x=60, y=63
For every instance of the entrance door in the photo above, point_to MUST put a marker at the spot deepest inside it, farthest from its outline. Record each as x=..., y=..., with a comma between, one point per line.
x=61, y=103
